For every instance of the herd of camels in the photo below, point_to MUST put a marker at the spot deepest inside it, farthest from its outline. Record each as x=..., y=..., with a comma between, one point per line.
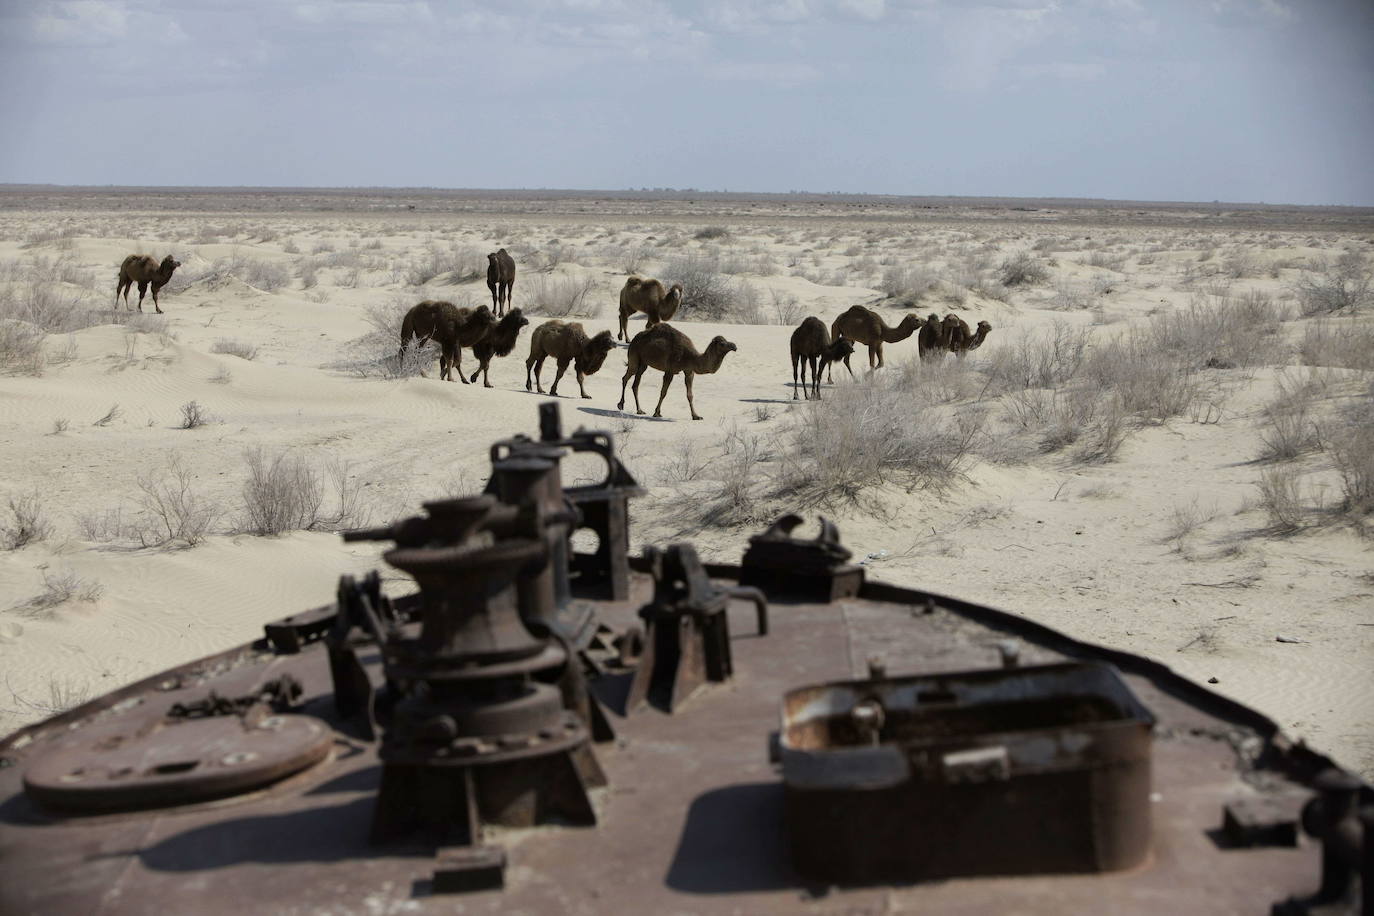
x=492, y=332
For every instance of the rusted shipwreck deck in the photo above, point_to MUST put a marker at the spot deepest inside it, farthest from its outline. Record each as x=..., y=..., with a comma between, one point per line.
x=866, y=749
x=691, y=820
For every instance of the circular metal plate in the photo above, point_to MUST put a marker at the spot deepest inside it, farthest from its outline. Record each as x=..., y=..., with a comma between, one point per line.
x=157, y=763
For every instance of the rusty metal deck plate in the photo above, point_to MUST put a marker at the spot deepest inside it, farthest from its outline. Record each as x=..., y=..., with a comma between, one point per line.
x=690, y=822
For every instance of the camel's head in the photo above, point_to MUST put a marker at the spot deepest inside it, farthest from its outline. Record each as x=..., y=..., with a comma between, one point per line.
x=984, y=327
x=595, y=354
x=841, y=348
x=491, y=258
x=720, y=343
x=674, y=293
x=912, y=321
x=514, y=319
x=170, y=263
x=951, y=322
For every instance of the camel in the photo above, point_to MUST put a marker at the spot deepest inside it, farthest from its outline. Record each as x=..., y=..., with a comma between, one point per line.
x=500, y=280
x=962, y=339
x=649, y=297
x=667, y=349
x=144, y=270
x=567, y=343
x=810, y=343
x=499, y=341
x=934, y=339
x=866, y=326
x=452, y=327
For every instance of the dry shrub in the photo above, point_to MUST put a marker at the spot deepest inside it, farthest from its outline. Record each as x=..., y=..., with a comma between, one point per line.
x=281, y=494
x=1152, y=385
x=459, y=262
x=1350, y=443
x=559, y=297
x=58, y=589
x=26, y=523
x=1345, y=285
x=172, y=512
x=907, y=282
x=1230, y=332
x=868, y=436
x=1338, y=342
x=1288, y=428
x=707, y=294
x=1281, y=498
x=1022, y=268
x=1039, y=360
x=378, y=353
x=240, y=348
x=21, y=348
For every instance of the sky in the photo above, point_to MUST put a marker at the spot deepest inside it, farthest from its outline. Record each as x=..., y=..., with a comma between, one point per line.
x=1182, y=100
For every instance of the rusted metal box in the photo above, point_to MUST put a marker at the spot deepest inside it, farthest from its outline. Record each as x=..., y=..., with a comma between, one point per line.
x=997, y=772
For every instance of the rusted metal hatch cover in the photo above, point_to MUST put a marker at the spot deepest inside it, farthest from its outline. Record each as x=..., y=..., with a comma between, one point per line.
x=151, y=763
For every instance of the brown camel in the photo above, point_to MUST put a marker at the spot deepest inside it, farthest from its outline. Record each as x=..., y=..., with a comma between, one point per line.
x=566, y=342
x=499, y=341
x=866, y=326
x=934, y=339
x=452, y=327
x=500, y=280
x=810, y=344
x=144, y=270
x=649, y=297
x=667, y=349
x=962, y=339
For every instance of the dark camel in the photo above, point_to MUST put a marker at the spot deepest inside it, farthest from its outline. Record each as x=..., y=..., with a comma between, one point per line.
x=500, y=280
x=810, y=344
x=452, y=327
x=865, y=326
x=566, y=342
x=963, y=340
x=667, y=349
x=499, y=341
x=144, y=270
x=934, y=339
x=649, y=297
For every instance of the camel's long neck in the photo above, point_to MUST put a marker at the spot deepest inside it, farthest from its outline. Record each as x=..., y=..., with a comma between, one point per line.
x=900, y=332
x=709, y=361
x=669, y=307
x=977, y=340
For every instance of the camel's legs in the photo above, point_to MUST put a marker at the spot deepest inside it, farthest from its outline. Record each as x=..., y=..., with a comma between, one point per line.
x=562, y=367
x=624, y=323
x=797, y=360
x=155, y=305
x=668, y=380
x=580, y=386
x=687, y=380
x=142, y=291
x=815, y=376
x=529, y=369
x=639, y=374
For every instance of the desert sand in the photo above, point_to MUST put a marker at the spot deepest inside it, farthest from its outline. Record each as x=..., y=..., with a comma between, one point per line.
x=1095, y=509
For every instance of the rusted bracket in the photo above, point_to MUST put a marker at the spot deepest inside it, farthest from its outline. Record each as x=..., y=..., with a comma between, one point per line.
x=686, y=630
x=809, y=570
x=1346, y=831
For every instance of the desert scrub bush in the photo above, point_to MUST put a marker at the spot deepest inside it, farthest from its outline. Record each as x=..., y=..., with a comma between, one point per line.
x=906, y=282
x=1338, y=342
x=50, y=309
x=865, y=437
x=25, y=523
x=786, y=309
x=63, y=239
x=1287, y=427
x=282, y=493
x=710, y=233
x=59, y=589
x=559, y=297
x=707, y=294
x=194, y=416
x=1022, y=268
x=1227, y=332
x=1152, y=385
x=1280, y=496
x=170, y=510
x=240, y=348
x=1340, y=286
x=459, y=262
x=379, y=353
x=1350, y=443
x=21, y=348
x=1044, y=360
x=1070, y=296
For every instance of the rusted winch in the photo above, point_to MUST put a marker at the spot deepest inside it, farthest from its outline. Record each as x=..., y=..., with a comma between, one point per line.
x=481, y=731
